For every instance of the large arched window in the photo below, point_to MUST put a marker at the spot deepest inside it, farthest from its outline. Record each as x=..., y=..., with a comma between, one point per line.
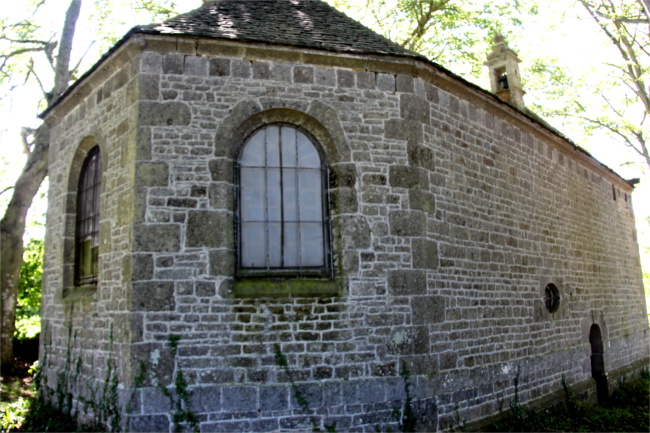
x=87, y=231
x=282, y=224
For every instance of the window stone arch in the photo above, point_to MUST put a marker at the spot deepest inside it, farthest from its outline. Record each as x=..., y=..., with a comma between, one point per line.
x=323, y=126
x=72, y=289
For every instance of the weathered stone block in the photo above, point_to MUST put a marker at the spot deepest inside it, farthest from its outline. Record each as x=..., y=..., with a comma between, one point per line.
x=219, y=67
x=148, y=423
x=424, y=253
x=152, y=173
x=366, y=80
x=420, y=156
x=413, y=107
x=205, y=289
x=303, y=74
x=343, y=176
x=324, y=76
x=274, y=398
x=205, y=399
x=208, y=229
x=404, y=83
x=402, y=176
x=344, y=200
x=345, y=78
x=221, y=196
x=422, y=200
x=172, y=63
x=149, y=86
x=407, y=223
x=142, y=267
x=154, y=401
x=164, y=113
x=261, y=70
x=428, y=309
x=408, y=341
x=221, y=170
x=241, y=68
x=158, y=359
x=151, y=62
x=196, y=66
x=143, y=144
x=156, y=237
x=153, y=296
x=386, y=82
x=239, y=398
x=356, y=228
x=403, y=282
x=222, y=263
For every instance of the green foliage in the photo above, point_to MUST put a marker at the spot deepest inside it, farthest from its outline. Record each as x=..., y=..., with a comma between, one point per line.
x=28, y=317
x=406, y=419
x=180, y=398
x=627, y=410
x=112, y=23
x=456, y=34
x=281, y=361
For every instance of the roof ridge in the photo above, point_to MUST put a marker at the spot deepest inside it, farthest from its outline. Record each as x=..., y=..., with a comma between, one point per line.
x=300, y=23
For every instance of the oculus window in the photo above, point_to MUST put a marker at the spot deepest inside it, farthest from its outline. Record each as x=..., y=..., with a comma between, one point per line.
x=282, y=224
x=87, y=227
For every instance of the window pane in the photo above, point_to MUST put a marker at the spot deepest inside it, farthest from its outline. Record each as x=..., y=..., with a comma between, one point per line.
x=311, y=244
x=281, y=201
x=88, y=203
x=254, y=152
x=307, y=154
x=253, y=245
x=310, y=195
x=273, y=146
x=291, y=259
x=252, y=194
x=275, y=244
x=273, y=197
x=289, y=194
x=289, y=157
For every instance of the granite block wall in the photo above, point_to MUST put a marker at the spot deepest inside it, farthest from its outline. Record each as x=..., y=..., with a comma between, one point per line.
x=450, y=214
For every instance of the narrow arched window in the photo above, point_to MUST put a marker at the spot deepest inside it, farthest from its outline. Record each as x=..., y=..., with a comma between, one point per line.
x=282, y=224
x=87, y=233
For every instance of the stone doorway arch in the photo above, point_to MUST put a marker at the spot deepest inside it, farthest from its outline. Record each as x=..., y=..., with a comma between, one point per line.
x=598, y=363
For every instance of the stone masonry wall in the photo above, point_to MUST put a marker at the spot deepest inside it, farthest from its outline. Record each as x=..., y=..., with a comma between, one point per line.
x=450, y=215
x=83, y=331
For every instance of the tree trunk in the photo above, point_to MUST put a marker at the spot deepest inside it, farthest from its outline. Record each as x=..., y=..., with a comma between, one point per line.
x=12, y=226
x=12, y=229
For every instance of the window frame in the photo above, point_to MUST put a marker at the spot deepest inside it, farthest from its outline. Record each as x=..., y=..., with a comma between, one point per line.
x=322, y=271
x=82, y=275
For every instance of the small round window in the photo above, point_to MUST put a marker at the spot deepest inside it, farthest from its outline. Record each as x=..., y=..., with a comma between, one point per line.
x=552, y=298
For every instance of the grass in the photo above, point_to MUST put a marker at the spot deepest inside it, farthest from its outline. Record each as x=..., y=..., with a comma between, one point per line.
x=626, y=411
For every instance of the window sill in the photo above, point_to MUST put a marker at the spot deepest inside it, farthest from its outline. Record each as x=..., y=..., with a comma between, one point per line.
x=83, y=292
x=291, y=287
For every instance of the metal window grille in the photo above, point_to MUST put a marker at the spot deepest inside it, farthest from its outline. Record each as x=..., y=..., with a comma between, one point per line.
x=282, y=207
x=87, y=234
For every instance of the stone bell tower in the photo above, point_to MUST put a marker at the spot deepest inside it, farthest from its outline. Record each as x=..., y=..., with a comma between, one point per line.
x=505, y=80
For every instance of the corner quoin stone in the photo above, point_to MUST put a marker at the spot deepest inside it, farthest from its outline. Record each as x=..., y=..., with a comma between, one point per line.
x=407, y=282
x=164, y=114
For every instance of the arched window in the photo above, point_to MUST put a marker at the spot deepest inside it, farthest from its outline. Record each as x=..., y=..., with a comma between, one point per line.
x=87, y=231
x=282, y=224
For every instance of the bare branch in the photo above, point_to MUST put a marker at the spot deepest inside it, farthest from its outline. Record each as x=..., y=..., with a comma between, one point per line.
x=62, y=68
x=74, y=70
x=25, y=133
x=9, y=188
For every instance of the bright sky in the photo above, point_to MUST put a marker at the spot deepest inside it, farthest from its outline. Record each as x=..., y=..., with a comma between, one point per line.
x=574, y=44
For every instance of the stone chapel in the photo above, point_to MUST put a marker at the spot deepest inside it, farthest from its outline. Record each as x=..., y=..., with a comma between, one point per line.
x=313, y=227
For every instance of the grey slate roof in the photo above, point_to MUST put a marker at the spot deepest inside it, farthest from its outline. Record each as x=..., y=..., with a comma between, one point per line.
x=298, y=23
